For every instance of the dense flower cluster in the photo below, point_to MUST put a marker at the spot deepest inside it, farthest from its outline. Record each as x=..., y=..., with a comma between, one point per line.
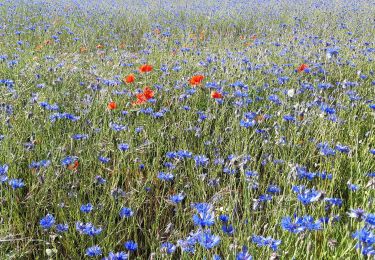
x=187, y=129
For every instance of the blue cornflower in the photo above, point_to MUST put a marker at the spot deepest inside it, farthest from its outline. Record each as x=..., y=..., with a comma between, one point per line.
x=165, y=176
x=332, y=52
x=182, y=154
x=3, y=173
x=205, y=216
x=126, y=212
x=68, y=116
x=68, y=160
x=86, y=208
x=40, y=164
x=168, y=247
x=47, y=221
x=123, y=147
x=131, y=245
x=208, y=240
x=324, y=86
x=229, y=171
x=16, y=183
x=224, y=218
x=201, y=160
x=88, y=229
x=342, y=148
x=243, y=254
x=171, y=155
x=158, y=114
x=117, y=256
x=100, y=180
x=370, y=219
x=334, y=201
x=265, y=198
x=357, y=213
x=138, y=129
x=177, y=198
x=289, y=118
x=328, y=110
x=324, y=175
x=273, y=189
x=366, y=241
x=117, y=127
x=169, y=165
x=309, y=196
x=80, y=137
x=202, y=116
x=45, y=105
x=61, y=228
x=282, y=80
x=275, y=99
x=228, y=229
x=353, y=187
x=251, y=174
x=247, y=123
x=300, y=224
x=104, y=159
x=250, y=116
x=188, y=245
x=266, y=241
x=94, y=251
x=325, y=149
x=302, y=173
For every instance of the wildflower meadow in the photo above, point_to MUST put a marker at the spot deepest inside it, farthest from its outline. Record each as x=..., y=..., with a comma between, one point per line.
x=187, y=129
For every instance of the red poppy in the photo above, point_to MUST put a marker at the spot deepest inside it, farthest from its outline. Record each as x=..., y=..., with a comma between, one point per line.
x=122, y=46
x=196, y=80
x=141, y=98
x=112, y=105
x=47, y=42
x=302, y=67
x=216, y=94
x=129, y=79
x=157, y=31
x=82, y=49
x=147, y=94
x=73, y=166
x=145, y=68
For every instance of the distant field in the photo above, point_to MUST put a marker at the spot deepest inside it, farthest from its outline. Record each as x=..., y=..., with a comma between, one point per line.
x=187, y=129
